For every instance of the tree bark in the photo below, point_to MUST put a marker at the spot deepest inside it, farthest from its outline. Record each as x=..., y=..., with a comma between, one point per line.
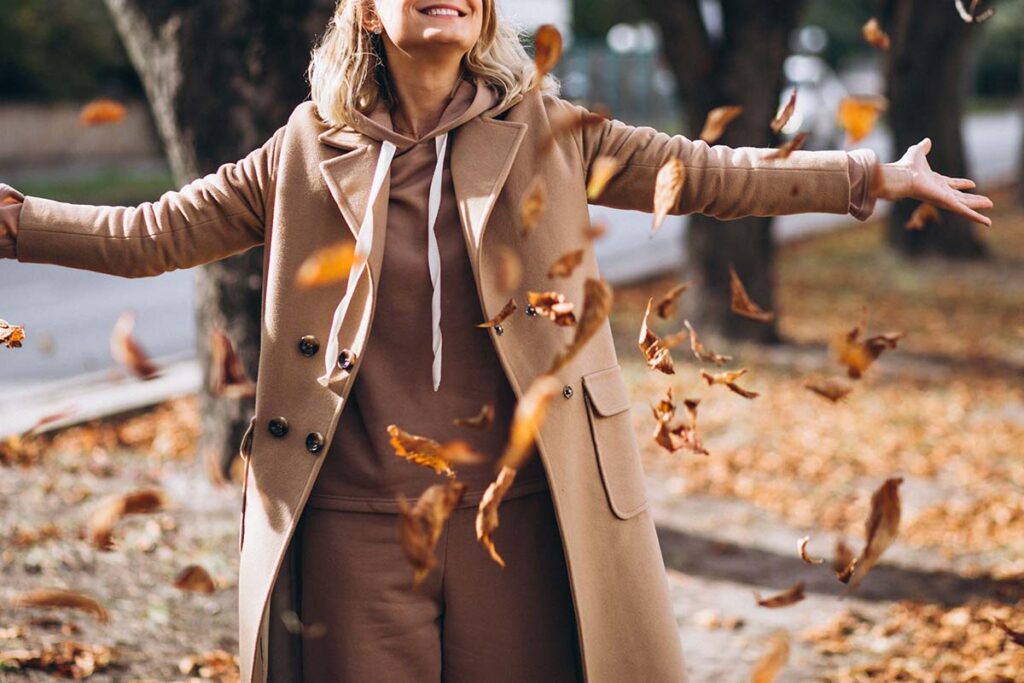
x=221, y=76
x=925, y=75
x=743, y=67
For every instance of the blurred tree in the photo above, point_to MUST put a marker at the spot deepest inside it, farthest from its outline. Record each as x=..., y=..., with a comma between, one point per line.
x=591, y=19
x=925, y=75
x=221, y=77
x=739, y=65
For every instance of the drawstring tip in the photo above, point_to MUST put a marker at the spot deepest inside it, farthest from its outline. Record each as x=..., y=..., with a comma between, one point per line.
x=324, y=381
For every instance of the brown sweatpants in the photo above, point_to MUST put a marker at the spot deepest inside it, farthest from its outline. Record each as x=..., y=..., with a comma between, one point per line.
x=468, y=621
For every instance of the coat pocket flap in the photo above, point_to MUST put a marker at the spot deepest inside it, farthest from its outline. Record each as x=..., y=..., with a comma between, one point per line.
x=607, y=390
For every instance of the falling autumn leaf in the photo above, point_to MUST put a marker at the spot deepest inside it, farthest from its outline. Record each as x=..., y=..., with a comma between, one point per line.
x=102, y=111
x=328, y=265
x=859, y=355
x=505, y=312
x=783, y=151
x=597, y=304
x=532, y=207
x=804, y=555
x=923, y=214
x=971, y=15
x=790, y=596
x=667, y=186
x=728, y=379
x=656, y=354
x=11, y=336
x=603, y=169
x=700, y=352
x=874, y=35
x=196, y=579
x=127, y=351
x=61, y=597
x=843, y=562
x=566, y=264
x=553, y=306
x=487, y=513
x=100, y=527
x=228, y=377
x=785, y=114
x=420, y=525
x=881, y=529
x=509, y=272
x=741, y=303
x=527, y=420
x=859, y=114
x=667, y=304
x=547, y=44
x=421, y=450
x=1014, y=635
x=717, y=121
x=594, y=231
x=664, y=430
x=567, y=123
x=773, y=661
x=481, y=420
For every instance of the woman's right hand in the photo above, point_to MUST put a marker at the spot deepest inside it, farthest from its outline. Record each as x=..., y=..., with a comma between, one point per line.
x=10, y=213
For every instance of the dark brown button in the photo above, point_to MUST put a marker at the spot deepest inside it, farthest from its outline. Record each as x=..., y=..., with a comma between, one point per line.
x=498, y=329
x=278, y=426
x=308, y=345
x=530, y=310
x=314, y=442
x=346, y=359
x=567, y=391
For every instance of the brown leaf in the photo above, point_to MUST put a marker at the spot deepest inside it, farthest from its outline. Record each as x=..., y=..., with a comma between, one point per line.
x=923, y=214
x=773, y=661
x=420, y=526
x=127, y=351
x=532, y=207
x=832, y=389
x=785, y=114
x=728, y=379
x=603, y=169
x=567, y=123
x=102, y=111
x=667, y=304
x=422, y=450
x=99, y=528
x=509, y=271
x=874, y=35
x=664, y=430
x=790, y=596
x=597, y=304
x=196, y=579
x=700, y=352
x=1014, y=635
x=566, y=264
x=859, y=114
x=547, y=44
x=971, y=15
x=11, y=336
x=505, y=312
x=482, y=420
x=667, y=186
x=804, y=555
x=328, y=265
x=487, y=512
x=66, y=659
x=741, y=303
x=717, y=121
x=859, y=355
x=793, y=144
x=553, y=306
x=219, y=665
x=61, y=597
x=843, y=562
x=228, y=377
x=527, y=420
x=594, y=231
x=881, y=529
x=655, y=353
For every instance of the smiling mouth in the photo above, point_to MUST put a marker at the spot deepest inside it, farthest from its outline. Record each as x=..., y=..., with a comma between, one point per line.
x=442, y=11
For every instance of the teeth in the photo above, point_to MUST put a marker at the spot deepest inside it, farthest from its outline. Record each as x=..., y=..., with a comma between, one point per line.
x=441, y=12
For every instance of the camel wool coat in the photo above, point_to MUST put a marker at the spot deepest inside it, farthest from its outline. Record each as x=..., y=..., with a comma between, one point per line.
x=307, y=187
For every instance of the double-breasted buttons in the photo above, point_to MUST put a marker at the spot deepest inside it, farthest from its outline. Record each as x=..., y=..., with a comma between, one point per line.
x=530, y=310
x=498, y=329
x=314, y=442
x=308, y=345
x=346, y=359
x=567, y=391
x=278, y=426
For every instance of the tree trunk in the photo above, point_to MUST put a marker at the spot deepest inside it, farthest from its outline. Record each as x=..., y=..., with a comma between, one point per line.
x=221, y=76
x=925, y=75
x=743, y=67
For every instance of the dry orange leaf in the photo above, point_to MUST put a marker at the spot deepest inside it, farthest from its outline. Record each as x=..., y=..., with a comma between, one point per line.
x=603, y=169
x=228, y=377
x=728, y=379
x=804, y=555
x=667, y=186
x=102, y=111
x=971, y=15
x=843, y=562
x=527, y=420
x=505, y=312
x=594, y=231
x=61, y=597
x=656, y=354
x=717, y=121
x=196, y=579
x=420, y=526
x=487, y=512
x=785, y=114
x=667, y=304
x=566, y=123
x=700, y=352
x=790, y=596
x=773, y=661
x=553, y=306
x=1014, y=635
x=832, y=389
x=741, y=303
x=874, y=35
x=859, y=114
x=597, y=304
x=11, y=336
x=532, y=207
x=923, y=214
x=858, y=355
x=547, y=50
x=100, y=527
x=127, y=351
x=783, y=151
x=481, y=420
x=328, y=265
x=664, y=430
x=509, y=272
x=422, y=450
x=566, y=264
x=881, y=529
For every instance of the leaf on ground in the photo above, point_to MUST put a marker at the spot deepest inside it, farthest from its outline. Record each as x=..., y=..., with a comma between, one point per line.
x=59, y=598
x=196, y=579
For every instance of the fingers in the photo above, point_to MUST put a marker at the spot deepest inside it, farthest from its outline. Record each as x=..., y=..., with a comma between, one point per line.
x=959, y=183
x=925, y=145
x=965, y=205
x=975, y=201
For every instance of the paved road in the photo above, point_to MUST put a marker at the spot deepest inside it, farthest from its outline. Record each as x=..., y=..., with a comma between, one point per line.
x=76, y=309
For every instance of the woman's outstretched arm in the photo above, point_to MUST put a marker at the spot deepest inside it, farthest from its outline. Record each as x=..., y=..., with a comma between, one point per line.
x=213, y=217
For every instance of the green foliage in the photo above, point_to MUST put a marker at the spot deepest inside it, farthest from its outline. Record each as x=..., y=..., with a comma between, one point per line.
x=61, y=49
x=592, y=18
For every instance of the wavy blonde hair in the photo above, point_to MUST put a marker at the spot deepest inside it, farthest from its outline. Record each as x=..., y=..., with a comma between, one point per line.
x=348, y=71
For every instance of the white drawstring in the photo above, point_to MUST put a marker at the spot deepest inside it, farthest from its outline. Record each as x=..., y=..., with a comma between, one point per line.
x=434, y=257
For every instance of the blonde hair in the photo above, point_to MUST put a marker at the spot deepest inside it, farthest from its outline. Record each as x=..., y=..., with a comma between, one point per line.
x=348, y=72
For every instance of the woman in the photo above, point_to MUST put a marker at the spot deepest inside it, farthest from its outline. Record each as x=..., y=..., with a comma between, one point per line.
x=424, y=133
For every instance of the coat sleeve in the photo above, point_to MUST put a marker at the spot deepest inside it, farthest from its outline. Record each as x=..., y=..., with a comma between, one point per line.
x=211, y=218
x=720, y=181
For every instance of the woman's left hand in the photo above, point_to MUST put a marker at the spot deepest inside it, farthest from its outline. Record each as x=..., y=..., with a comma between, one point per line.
x=912, y=177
